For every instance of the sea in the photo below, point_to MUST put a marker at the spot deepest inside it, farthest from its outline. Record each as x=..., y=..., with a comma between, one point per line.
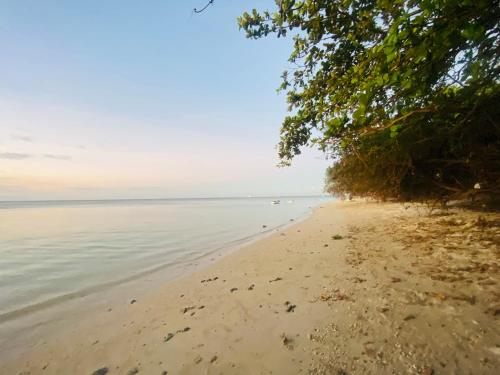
x=54, y=251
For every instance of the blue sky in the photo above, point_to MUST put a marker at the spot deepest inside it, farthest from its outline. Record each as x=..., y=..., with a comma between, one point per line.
x=129, y=99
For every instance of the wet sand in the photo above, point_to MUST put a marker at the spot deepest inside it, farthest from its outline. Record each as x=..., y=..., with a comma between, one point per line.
x=357, y=288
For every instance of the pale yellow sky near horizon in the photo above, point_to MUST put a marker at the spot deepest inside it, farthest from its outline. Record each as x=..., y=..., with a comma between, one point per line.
x=51, y=152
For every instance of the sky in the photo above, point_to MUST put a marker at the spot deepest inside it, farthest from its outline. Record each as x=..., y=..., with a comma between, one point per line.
x=142, y=99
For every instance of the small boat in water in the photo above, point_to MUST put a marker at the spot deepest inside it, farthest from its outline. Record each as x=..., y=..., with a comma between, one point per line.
x=277, y=201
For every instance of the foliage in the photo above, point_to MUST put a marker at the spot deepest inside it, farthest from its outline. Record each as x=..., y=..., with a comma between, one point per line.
x=402, y=94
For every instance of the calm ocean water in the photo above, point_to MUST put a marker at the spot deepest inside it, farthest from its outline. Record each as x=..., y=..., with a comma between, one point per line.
x=49, y=250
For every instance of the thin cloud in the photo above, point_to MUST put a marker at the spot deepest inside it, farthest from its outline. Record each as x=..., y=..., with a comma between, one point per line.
x=24, y=138
x=14, y=155
x=57, y=157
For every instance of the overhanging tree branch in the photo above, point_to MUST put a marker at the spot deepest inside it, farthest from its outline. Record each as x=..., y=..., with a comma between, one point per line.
x=205, y=7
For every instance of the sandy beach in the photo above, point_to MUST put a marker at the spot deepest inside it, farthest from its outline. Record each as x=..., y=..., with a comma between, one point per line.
x=356, y=288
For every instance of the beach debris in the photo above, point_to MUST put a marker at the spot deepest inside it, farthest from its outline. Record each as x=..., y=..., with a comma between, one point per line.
x=334, y=296
x=276, y=279
x=165, y=372
x=409, y=317
x=101, y=371
x=168, y=337
x=325, y=296
x=201, y=307
x=325, y=245
x=133, y=301
x=339, y=296
x=264, y=226
x=290, y=306
x=171, y=335
x=427, y=371
x=211, y=279
x=198, y=359
x=495, y=311
x=233, y=290
x=396, y=279
x=337, y=237
x=291, y=219
x=133, y=371
x=287, y=341
x=440, y=296
x=186, y=309
x=213, y=359
x=251, y=287
x=358, y=280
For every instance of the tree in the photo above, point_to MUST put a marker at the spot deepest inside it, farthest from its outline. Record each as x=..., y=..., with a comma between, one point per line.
x=402, y=94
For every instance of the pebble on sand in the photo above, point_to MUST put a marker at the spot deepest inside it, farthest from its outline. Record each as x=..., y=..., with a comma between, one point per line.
x=101, y=371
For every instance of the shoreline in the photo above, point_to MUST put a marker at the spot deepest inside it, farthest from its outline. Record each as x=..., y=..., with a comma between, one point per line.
x=280, y=303
x=17, y=323
x=193, y=264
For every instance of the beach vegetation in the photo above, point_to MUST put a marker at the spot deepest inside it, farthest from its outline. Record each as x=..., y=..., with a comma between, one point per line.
x=402, y=95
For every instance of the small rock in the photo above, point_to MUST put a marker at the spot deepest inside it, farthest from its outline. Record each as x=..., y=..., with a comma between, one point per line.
x=337, y=237
x=133, y=371
x=186, y=309
x=233, y=290
x=213, y=359
x=409, y=317
x=276, y=279
x=101, y=371
x=291, y=308
x=287, y=341
x=264, y=226
x=251, y=287
x=133, y=301
x=198, y=359
x=168, y=337
x=164, y=372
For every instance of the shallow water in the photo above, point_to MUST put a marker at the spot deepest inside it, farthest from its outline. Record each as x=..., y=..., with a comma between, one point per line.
x=49, y=250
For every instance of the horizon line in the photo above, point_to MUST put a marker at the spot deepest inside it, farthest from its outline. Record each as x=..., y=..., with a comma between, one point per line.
x=170, y=198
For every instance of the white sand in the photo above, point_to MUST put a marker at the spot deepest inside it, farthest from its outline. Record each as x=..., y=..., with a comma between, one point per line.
x=401, y=292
